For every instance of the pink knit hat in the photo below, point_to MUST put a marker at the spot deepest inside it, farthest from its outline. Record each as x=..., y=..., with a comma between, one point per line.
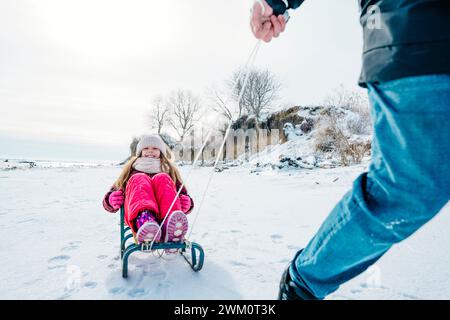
x=152, y=140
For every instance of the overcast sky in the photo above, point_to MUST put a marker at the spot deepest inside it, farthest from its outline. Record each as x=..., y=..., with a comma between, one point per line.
x=77, y=76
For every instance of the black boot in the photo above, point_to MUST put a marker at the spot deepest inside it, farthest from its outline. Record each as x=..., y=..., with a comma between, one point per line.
x=291, y=291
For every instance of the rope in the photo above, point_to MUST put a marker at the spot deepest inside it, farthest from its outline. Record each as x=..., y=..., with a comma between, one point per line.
x=250, y=61
x=224, y=139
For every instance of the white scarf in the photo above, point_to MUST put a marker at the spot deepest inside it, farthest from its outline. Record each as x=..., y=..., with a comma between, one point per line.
x=148, y=165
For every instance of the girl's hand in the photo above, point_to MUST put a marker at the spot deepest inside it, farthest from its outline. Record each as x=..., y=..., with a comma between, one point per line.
x=116, y=199
x=185, y=202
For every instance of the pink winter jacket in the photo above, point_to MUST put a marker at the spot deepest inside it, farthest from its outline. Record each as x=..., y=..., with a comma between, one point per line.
x=109, y=208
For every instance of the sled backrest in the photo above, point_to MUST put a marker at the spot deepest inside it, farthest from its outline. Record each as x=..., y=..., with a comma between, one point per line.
x=124, y=228
x=122, y=225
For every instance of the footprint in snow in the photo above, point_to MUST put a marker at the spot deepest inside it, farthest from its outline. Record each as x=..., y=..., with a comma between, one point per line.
x=165, y=284
x=58, y=262
x=138, y=292
x=56, y=267
x=117, y=290
x=159, y=275
x=284, y=261
x=293, y=247
x=72, y=246
x=112, y=266
x=276, y=238
x=90, y=284
x=238, y=264
x=102, y=257
x=63, y=297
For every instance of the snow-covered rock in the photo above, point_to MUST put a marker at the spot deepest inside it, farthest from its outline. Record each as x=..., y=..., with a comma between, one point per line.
x=300, y=151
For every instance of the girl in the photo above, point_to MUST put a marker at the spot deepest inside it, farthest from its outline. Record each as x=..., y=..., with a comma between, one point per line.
x=147, y=187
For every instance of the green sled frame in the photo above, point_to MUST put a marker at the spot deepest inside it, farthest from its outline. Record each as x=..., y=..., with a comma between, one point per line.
x=195, y=259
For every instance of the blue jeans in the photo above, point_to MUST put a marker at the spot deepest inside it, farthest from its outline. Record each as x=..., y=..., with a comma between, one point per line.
x=407, y=184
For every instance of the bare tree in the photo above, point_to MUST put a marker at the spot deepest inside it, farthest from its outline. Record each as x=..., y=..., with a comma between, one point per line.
x=158, y=115
x=185, y=108
x=221, y=103
x=260, y=93
x=347, y=99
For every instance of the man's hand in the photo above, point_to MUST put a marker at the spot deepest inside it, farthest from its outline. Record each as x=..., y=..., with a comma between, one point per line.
x=265, y=25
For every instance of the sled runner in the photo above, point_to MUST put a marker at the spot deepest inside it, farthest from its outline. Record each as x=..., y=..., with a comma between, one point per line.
x=191, y=251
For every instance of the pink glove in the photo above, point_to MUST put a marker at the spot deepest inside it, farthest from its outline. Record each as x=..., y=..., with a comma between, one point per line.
x=185, y=202
x=116, y=199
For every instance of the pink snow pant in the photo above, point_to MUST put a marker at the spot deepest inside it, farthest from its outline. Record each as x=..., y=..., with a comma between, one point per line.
x=149, y=193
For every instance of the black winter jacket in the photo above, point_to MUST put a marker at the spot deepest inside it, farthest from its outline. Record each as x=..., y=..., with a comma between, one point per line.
x=402, y=38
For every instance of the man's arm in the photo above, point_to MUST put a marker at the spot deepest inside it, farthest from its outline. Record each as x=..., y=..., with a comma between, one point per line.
x=280, y=6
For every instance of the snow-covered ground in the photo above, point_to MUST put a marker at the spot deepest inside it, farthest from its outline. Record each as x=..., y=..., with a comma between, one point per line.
x=22, y=164
x=57, y=242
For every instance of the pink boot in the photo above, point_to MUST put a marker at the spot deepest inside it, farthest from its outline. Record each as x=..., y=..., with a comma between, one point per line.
x=175, y=228
x=147, y=227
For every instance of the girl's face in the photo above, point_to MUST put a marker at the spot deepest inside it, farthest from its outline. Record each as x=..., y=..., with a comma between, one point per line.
x=151, y=152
